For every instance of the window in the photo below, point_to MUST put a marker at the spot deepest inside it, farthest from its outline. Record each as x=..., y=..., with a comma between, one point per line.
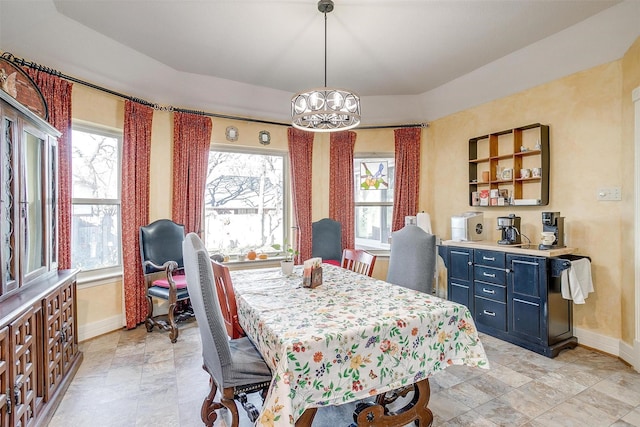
x=245, y=201
x=95, y=232
x=373, y=196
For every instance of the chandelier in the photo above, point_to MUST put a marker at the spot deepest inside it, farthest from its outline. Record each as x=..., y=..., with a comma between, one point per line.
x=325, y=109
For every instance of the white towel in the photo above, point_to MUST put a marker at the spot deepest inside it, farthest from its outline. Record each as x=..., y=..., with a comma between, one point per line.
x=575, y=282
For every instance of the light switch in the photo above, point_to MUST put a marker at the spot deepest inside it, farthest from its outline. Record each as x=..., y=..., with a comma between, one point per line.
x=609, y=194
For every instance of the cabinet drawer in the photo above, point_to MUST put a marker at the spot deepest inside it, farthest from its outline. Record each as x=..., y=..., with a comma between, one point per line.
x=488, y=274
x=490, y=291
x=491, y=313
x=489, y=258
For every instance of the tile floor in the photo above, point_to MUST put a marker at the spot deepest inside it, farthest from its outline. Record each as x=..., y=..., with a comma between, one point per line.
x=135, y=378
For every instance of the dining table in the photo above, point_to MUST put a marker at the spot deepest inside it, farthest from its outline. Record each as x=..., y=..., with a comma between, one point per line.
x=353, y=337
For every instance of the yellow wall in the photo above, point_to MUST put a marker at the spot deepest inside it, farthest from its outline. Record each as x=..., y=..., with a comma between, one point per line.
x=583, y=113
x=630, y=81
x=591, y=145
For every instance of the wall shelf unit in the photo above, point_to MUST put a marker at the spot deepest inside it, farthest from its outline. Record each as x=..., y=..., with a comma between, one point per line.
x=510, y=167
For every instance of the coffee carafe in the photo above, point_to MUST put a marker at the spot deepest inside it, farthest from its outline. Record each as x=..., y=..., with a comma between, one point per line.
x=552, y=222
x=510, y=227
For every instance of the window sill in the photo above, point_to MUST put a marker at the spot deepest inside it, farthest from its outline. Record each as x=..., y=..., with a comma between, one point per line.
x=90, y=279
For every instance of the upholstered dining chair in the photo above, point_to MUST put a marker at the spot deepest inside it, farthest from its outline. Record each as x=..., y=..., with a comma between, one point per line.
x=235, y=366
x=412, y=261
x=161, y=253
x=358, y=260
x=227, y=299
x=326, y=240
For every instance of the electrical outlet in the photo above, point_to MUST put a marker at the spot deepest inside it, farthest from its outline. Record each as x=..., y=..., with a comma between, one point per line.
x=609, y=194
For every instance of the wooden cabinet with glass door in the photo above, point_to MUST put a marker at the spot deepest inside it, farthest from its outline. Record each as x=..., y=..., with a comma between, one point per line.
x=510, y=167
x=38, y=323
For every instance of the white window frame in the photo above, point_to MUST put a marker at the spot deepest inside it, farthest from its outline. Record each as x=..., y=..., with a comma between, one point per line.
x=101, y=274
x=358, y=157
x=286, y=192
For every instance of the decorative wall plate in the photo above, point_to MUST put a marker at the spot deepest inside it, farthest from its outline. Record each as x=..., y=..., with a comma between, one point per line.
x=231, y=133
x=264, y=137
x=19, y=85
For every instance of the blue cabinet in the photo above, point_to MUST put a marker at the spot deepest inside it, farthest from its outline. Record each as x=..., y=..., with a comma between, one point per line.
x=512, y=296
x=459, y=263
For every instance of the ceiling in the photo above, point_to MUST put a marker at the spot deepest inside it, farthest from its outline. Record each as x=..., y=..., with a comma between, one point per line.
x=375, y=47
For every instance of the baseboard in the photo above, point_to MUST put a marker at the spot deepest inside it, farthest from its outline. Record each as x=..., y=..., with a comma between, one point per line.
x=596, y=341
x=100, y=327
x=628, y=354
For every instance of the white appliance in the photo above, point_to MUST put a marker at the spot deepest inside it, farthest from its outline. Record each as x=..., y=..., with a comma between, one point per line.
x=468, y=226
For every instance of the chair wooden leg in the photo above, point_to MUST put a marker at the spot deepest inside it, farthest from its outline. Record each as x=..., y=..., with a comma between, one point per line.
x=209, y=405
x=173, y=327
x=229, y=402
x=149, y=321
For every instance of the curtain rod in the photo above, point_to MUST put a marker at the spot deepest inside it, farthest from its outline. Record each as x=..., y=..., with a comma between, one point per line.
x=20, y=61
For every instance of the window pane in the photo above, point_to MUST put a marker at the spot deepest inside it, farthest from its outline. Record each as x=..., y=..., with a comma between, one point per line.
x=374, y=179
x=244, y=202
x=95, y=166
x=373, y=226
x=95, y=236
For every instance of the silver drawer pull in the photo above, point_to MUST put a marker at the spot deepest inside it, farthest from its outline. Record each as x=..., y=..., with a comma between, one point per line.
x=486, y=258
x=489, y=313
x=488, y=275
x=488, y=291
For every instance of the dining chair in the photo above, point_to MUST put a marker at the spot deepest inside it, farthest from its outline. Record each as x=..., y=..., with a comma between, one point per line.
x=161, y=254
x=326, y=240
x=235, y=366
x=227, y=298
x=412, y=261
x=358, y=260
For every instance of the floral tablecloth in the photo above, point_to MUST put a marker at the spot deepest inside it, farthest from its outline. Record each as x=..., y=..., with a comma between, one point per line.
x=350, y=338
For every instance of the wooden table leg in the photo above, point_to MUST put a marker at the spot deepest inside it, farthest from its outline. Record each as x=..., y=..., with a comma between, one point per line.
x=306, y=418
x=371, y=414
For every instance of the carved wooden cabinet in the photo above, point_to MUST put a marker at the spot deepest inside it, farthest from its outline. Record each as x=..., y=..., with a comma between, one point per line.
x=38, y=349
x=38, y=326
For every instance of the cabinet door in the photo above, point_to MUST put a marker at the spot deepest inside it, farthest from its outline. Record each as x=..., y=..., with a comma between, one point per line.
x=4, y=376
x=460, y=281
x=69, y=325
x=22, y=346
x=33, y=212
x=53, y=342
x=9, y=207
x=526, y=295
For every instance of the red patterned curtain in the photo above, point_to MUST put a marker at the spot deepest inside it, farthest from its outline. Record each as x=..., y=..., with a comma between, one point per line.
x=300, y=156
x=407, y=179
x=136, y=151
x=191, y=143
x=57, y=94
x=341, y=202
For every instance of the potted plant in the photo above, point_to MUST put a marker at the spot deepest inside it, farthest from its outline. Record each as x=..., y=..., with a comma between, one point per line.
x=287, y=263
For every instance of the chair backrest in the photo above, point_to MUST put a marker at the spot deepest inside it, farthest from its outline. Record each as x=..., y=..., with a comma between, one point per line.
x=227, y=298
x=358, y=260
x=412, y=261
x=161, y=241
x=326, y=239
x=216, y=352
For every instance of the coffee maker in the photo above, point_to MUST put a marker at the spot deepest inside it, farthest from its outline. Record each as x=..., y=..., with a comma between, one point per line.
x=510, y=226
x=554, y=223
